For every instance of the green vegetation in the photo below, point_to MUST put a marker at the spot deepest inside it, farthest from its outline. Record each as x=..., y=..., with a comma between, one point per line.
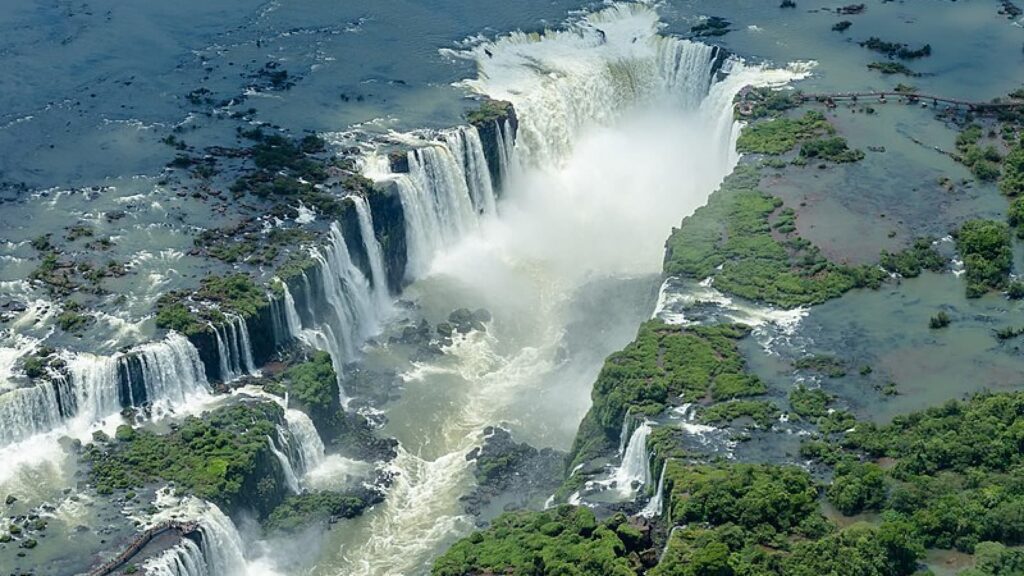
x=912, y=261
x=1015, y=215
x=489, y=111
x=663, y=362
x=295, y=265
x=762, y=412
x=896, y=49
x=758, y=519
x=780, y=135
x=809, y=402
x=940, y=320
x=857, y=487
x=71, y=319
x=79, y=231
x=995, y=559
x=302, y=510
x=892, y=68
x=829, y=365
x=956, y=476
x=987, y=254
x=767, y=102
x=832, y=149
x=236, y=292
x=731, y=239
x=223, y=457
x=236, y=245
x=1012, y=182
x=712, y=26
x=567, y=541
x=175, y=315
x=983, y=162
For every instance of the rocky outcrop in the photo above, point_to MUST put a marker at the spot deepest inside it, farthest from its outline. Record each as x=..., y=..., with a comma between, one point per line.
x=389, y=227
x=491, y=121
x=514, y=474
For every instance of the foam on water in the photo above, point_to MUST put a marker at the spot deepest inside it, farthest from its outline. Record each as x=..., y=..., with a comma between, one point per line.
x=611, y=114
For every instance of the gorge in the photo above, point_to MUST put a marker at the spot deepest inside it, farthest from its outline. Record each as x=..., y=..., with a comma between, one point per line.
x=638, y=255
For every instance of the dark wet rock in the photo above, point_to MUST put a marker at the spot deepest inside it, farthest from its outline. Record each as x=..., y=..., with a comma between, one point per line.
x=11, y=499
x=465, y=321
x=445, y=330
x=511, y=475
x=494, y=119
x=399, y=162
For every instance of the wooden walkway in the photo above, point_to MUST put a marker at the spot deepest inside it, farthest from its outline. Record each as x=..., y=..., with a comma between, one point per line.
x=182, y=528
x=914, y=97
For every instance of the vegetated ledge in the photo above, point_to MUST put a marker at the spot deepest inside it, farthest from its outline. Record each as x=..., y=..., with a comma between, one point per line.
x=744, y=240
x=944, y=478
x=288, y=171
x=224, y=456
x=665, y=365
x=730, y=519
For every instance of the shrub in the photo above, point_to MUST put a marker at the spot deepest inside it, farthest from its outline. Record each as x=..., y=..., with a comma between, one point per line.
x=940, y=320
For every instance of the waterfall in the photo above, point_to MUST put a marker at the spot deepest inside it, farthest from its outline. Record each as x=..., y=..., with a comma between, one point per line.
x=308, y=445
x=352, y=314
x=354, y=309
x=170, y=371
x=445, y=194
x=286, y=465
x=222, y=544
x=25, y=412
x=234, y=348
x=668, y=542
x=220, y=550
x=465, y=145
x=291, y=314
x=375, y=255
x=185, y=559
x=244, y=342
x=95, y=384
x=635, y=465
x=507, y=165
x=624, y=433
x=160, y=374
x=655, y=504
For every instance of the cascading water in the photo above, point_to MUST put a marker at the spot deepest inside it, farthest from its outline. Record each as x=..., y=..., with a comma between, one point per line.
x=656, y=503
x=354, y=308
x=352, y=315
x=169, y=371
x=234, y=349
x=624, y=433
x=25, y=412
x=622, y=132
x=381, y=293
x=445, y=194
x=185, y=559
x=162, y=375
x=290, y=478
x=306, y=442
x=635, y=468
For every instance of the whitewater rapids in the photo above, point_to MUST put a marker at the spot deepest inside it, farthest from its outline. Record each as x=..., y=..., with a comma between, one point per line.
x=622, y=132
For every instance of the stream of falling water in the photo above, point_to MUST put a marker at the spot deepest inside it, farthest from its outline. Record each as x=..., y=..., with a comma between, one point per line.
x=622, y=133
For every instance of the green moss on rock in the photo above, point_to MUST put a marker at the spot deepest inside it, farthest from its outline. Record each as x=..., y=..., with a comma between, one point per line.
x=731, y=239
x=985, y=248
x=223, y=457
x=566, y=540
x=781, y=135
